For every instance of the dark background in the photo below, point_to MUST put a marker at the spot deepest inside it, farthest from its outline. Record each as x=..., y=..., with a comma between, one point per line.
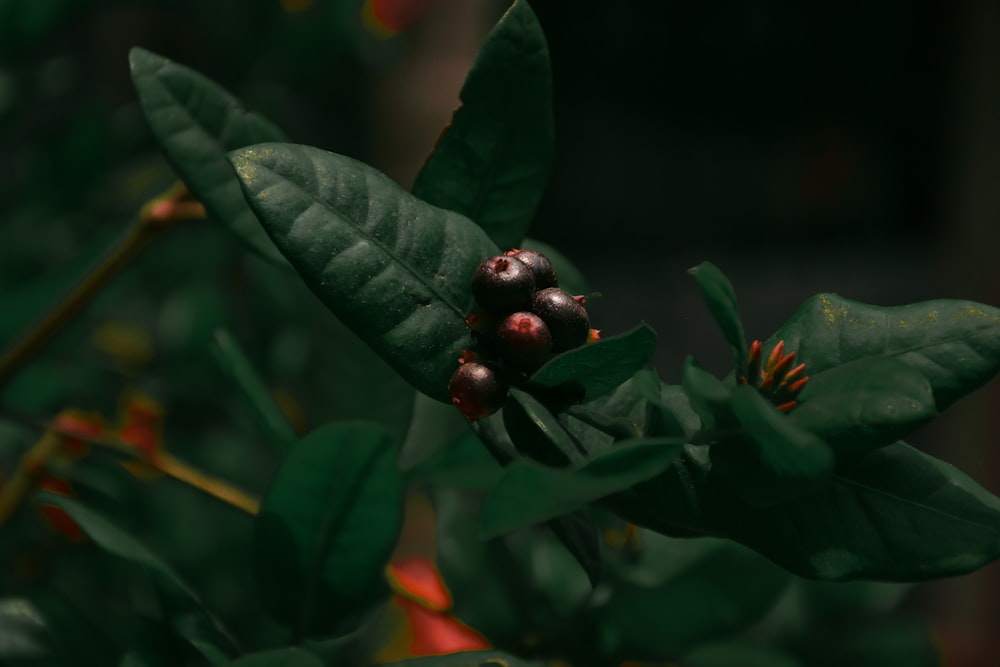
x=850, y=147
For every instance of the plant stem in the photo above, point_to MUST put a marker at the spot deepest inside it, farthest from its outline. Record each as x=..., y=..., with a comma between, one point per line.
x=156, y=217
x=213, y=486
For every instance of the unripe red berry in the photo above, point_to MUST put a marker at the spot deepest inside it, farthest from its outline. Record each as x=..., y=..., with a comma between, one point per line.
x=525, y=341
x=565, y=316
x=477, y=390
x=541, y=268
x=503, y=284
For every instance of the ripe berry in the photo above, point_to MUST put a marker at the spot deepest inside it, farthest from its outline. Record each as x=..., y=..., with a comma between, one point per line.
x=566, y=318
x=477, y=390
x=503, y=284
x=541, y=267
x=525, y=341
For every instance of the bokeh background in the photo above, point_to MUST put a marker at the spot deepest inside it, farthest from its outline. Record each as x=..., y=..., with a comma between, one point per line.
x=850, y=147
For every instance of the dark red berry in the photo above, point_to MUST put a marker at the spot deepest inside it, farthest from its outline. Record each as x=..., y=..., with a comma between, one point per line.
x=503, y=284
x=478, y=390
x=566, y=318
x=541, y=267
x=525, y=341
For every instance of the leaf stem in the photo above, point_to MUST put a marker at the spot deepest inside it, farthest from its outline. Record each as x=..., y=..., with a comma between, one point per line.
x=157, y=216
x=213, y=486
x=34, y=466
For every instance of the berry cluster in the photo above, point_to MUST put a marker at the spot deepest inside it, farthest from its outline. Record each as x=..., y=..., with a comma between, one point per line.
x=523, y=320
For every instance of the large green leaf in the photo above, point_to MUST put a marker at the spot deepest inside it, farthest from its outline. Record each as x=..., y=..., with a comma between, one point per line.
x=528, y=493
x=871, y=520
x=864, y=404
x=712, y=596
x=492, y=162
x=772, y=459
x=195, y=122
x=954, y=344
x=720, y=297
x=393, y=268
x=327, y=527
x=597, y=368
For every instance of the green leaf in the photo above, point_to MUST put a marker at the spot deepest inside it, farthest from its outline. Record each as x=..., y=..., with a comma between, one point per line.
x=529, y=493
x=195, y=122
x=663, y=416
x=713, y=596
x=115, y=541
x=536, y=433
x=327, y=527
x=578, y=534
x=492, y=162
x=864, y=404
x=772, y=460
x=75, y=634
x=394, y=269
x=270, y=418
x=870, y=521
x=720, y=297
x=282, y=657
x=954, y=344
x=22, y=630
x=598, y=368
x=707, y=396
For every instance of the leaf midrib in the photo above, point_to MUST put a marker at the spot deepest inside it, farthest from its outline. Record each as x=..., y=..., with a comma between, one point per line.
x=360, y=232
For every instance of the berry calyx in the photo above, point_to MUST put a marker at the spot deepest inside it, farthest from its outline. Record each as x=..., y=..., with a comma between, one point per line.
x=525, y=341
x=541, y=268
x=566, y=318
x=503, y=284
x=477, y=390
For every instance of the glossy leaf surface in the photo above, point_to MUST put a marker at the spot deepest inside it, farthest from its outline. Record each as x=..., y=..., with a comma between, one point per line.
x=393, y=268
x=598, y=368
x=327, y=527
x=772, y=459
x=492, y=162
x=720, y=297
x=870, y=521
x=864, y=404
x=195, y=121
x=954, y=344
x=528, y=493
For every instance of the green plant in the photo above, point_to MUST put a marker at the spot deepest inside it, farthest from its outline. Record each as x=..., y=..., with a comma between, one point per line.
x=601, y=516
